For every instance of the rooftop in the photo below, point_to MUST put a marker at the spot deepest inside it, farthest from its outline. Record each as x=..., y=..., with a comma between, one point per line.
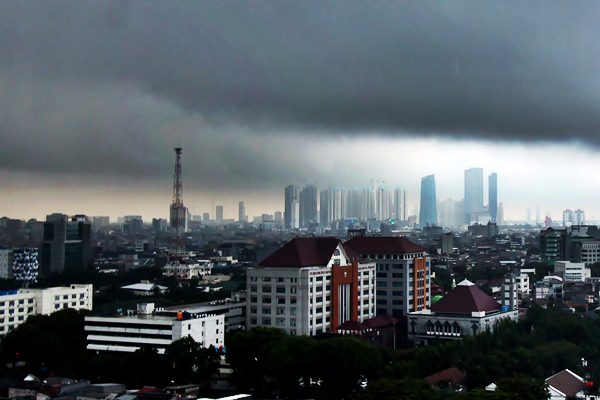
x=303, y=252
x=566, y=382
x=383, y=245
x=465, y=299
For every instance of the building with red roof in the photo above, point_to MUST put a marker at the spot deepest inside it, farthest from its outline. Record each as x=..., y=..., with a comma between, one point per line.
x=403, y=272
x=464, y=311
x=309, y=286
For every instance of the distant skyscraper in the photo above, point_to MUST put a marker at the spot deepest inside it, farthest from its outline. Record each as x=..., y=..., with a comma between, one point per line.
x=493, y=196
x=500, y=219
x=473, y=193
x=400, y=204
x=579, y=217
x=219, y=214
x=205, y=217
x=325, y=206
x=291, y=195
x=428, y=207
x=241, y=212
x=295, y=215
x=308, y=206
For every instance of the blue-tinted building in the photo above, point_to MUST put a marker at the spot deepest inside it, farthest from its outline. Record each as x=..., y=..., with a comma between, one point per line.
x=428, y=208
x=493, y=196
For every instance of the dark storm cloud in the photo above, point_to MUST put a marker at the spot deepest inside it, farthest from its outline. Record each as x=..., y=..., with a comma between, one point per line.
x=86, y=77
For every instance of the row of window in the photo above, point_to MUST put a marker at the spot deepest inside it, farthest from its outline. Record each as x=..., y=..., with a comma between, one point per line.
x=12, y=303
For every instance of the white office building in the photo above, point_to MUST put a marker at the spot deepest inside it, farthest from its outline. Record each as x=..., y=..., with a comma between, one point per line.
x=572, y=272
x=150, y=327
x=18, y=305
x=310, y=286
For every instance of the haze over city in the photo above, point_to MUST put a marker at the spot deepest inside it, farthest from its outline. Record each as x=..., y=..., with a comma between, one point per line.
x=260, y=95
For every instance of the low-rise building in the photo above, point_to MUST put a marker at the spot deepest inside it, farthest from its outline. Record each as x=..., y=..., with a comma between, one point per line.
x=572, y=272
x=150, y=327
x=18, y=305
x=551, y=287
x=187, y=270
x=566, y=385
x=234, y=311
x=464, y=311
x=145, y=288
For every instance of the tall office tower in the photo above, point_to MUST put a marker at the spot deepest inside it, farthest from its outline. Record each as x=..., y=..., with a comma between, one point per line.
x=295, y=215
x=278, y=217
x=66, y=244
x=308, y=206
x=100, y=222
x=178, y=217
x=538, y=213
x=159, y=224
x=219, y=214
x=473, y=193
x=291, y=195
x=25, y=265
x=205, y=218
x=493, y=196
x=500, y=220
x=579, y=217
x=337, y=205
x=451, y=213
x=325, y=207
x=400, y=204
x=428, y=208
x=568, y=217
x=528, y=214
x=241, y=212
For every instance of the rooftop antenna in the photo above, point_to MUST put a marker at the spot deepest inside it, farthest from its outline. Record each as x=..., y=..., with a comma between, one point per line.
x=178, y=211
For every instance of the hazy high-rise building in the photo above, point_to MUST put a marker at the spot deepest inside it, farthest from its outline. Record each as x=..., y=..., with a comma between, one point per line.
x=493, y=196
x=473, y=193
x=325, y=207
x=291, y=195
x=159, y=224
x=205, y=218
x=579, y=217
x=219, y=214
x=241, y=212
x=295, y=215
x=400, y=204
x=308, y=206
x=66, y=244
x=500, y=219
x=451, y=213
x=428, y=205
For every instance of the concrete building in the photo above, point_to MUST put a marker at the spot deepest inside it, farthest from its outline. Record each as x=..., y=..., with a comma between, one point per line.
x=66, y=244
x=308, y=206
x=241, y=213
x=572, y=272
x=310, y=286
x=551, y=287
x=25, y=265
x=233, y=310
x=291, y=195
x=403, y=272
x=464, y=311
x=18, y=305
x=493, y=197
x=5, y=263
x=553, y=244
x=150, y=327
x=159, y=225
x=219, y=214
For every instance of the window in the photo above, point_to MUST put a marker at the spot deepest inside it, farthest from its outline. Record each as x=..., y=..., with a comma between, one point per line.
x=266, y=279
x=280, y=279
x=281, y=300
x=397, y=293
x=266, y=310
x=266, y=289
x=280, y=289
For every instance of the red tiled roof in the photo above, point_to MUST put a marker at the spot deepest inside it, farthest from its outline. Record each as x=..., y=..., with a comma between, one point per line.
x=465, y=298
x=303, y=252
x=383, y=245
x=452, y=375
x=566, y=382
x=380, y=321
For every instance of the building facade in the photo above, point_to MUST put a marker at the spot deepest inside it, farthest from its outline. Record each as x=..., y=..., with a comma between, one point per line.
x=310, y=286
x=473, y=194
x=150, y=327
x=403, y=273
x=66, y=244
x=18, y=305
x=464, y=311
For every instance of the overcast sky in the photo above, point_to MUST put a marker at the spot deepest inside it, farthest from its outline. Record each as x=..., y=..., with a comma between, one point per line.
x=95, y=95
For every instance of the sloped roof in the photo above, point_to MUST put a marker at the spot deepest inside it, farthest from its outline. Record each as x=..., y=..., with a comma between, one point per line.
x=380, y=321
x=352, y=326
x=383, y=245
x=566, y=382
x=452, y=375
x=465, y=298
x=303, y=252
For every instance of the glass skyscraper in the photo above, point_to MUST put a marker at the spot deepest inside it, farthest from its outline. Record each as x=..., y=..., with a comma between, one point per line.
x=473, y=193
x=493, y=196
x=428, y=207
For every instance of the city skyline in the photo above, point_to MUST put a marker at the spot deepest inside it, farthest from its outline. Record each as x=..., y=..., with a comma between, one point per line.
x=274, y=94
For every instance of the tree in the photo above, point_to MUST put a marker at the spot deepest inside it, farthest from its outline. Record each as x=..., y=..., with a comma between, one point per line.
x=189, y=362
